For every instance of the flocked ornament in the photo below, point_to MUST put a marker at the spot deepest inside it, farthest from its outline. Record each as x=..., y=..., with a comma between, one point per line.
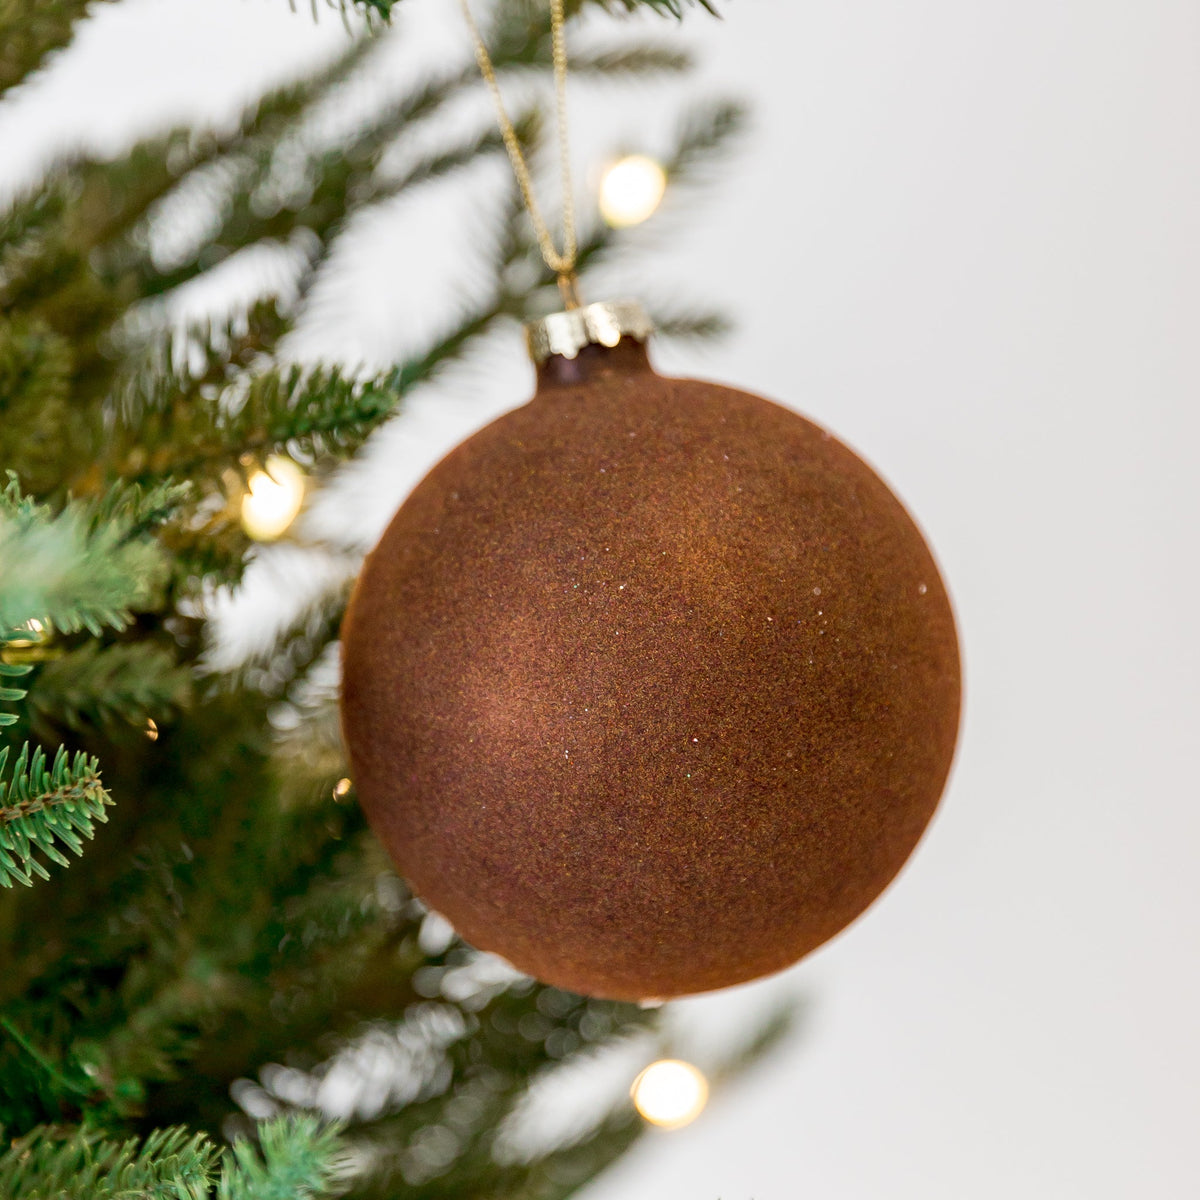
x=651, y=686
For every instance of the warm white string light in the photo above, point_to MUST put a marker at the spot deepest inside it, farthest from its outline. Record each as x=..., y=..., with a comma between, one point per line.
x=631, y=189
x=273, y=498
x=670, y=1093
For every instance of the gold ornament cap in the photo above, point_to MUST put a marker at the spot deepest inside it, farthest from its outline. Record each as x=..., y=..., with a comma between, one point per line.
x=603, y=324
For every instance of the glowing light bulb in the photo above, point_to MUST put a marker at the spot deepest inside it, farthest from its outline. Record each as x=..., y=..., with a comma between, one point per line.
x=630, y=190
x=670, y=1093
x=341, y=788
x=152, y=729
x=274, y=497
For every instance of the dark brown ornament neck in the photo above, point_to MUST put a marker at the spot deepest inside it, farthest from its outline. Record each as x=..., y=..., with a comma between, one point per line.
x=592, y=363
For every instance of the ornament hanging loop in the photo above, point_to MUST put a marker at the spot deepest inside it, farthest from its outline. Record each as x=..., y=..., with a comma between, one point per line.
x=563, y=265
x=568, y=286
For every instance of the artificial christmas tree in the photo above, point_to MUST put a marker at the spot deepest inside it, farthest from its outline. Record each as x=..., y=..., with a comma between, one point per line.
x=232, y=946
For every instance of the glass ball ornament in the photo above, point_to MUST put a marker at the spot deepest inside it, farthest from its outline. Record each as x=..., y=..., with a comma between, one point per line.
x=652, y=685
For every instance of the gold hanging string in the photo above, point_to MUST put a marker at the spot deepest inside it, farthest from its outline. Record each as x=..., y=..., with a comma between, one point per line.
x=563, y=265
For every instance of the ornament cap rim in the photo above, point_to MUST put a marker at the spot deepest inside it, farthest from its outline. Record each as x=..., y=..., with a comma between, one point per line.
x=604, y=324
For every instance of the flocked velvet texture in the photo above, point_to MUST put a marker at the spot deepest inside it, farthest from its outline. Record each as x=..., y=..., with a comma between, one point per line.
x=651, y=686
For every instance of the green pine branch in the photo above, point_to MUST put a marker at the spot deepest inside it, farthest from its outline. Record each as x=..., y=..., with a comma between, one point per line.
x=707, y=132
x=136, y=511
x=778, y=1024
x=672, y=320
x=566, y=1169
x=637, y=60
x=43, y=807
x=35, y=378
x=180, y=367
x=76, y=251
x=84, y=566
x=170, y=1164
x=290, y=652
x=13, y=640
x=297, y=1160
x=324, y=186
x=11, y=670
x=374, y=10
x=261, y=200
x=102, y=687
x=531, y=14
x=489, y=1051
x=37, y=1083
x=431, y=167
x=173, y=423
x=311, y=411
x=31, y=32
x=672, y=8
x=29, y=215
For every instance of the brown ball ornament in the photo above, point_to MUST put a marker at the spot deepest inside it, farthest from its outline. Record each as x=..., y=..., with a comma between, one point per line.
x=651, y=686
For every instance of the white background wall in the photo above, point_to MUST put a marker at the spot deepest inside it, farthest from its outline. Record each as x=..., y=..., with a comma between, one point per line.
x=966, y=237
